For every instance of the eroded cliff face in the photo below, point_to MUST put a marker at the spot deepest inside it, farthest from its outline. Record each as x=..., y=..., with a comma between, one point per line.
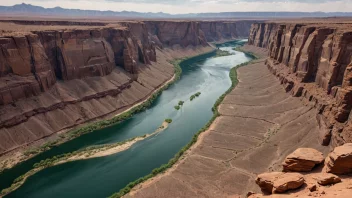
x=32, y=63
x=313, y=61
x=225, y=30
x=169, y=33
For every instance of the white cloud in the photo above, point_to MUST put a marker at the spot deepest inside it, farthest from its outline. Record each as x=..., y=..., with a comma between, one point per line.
x=195, y=6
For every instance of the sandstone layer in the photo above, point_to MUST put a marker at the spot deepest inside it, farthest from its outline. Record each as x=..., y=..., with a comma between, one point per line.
x=55, y=75
x=313, y=61
x=259, y=125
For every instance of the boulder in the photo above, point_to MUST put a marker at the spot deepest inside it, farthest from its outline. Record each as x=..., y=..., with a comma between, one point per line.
x=278, y=182
x=339, y=161
x=312, y=187
x=302, y=160
x=327, y=179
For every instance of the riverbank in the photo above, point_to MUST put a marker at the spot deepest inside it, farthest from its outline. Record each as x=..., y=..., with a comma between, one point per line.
x=87, y=153
x=167, y=57
x=258, y=124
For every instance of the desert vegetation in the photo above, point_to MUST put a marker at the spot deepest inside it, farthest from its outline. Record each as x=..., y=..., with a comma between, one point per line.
x=220, y=53
x=168, y=120
x=194, y=96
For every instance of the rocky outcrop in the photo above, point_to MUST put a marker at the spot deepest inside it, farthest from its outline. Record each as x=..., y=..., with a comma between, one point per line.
x=313, y=61
x=318, y=184
x=24, y=68
x=278, y=182
x=302, y=160
x=339, y=161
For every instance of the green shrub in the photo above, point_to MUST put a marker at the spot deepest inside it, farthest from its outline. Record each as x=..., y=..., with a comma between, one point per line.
x=168, y=120
x=220, y=53
x=177, y=107
x=180, y=103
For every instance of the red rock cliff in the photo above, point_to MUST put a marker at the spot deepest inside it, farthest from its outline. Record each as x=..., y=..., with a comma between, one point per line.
x=31, y=64
x=313, y=61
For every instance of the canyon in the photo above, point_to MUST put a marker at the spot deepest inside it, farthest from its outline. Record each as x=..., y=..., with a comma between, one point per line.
x=56, y=75
x=59, y=75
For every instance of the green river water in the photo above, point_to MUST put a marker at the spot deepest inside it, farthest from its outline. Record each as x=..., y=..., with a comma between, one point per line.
x=101, y=177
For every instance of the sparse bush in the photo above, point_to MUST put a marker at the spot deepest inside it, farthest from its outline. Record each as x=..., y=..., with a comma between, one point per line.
x=168, y=120
x=220, y=53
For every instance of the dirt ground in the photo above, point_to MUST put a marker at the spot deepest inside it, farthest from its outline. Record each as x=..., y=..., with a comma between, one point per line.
x=260, y=124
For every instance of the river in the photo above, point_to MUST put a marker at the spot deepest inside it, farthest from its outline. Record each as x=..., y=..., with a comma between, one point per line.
x=101, y=177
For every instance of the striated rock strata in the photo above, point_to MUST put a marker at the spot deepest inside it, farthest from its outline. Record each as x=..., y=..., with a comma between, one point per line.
x=313, y=61
x=225, y=30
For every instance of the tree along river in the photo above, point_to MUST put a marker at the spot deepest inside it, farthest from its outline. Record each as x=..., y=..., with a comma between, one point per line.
x=101, y=177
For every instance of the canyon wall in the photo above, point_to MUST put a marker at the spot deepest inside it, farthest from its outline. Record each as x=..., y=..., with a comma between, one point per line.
x=313, y=61
x=53, y=78
x=225, y=30
x=32, y=63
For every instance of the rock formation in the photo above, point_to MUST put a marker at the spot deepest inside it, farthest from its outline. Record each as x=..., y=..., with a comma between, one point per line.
x=319, y=184
x=325, y=179
x=339, y=161
x=278, y=182
x=302, y=160
x=313, y=61
x=57, y=75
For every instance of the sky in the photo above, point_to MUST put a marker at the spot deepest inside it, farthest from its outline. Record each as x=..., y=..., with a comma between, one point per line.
x=194, y=6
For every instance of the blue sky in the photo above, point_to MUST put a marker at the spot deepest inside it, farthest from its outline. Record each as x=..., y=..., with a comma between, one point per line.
x=195, y=6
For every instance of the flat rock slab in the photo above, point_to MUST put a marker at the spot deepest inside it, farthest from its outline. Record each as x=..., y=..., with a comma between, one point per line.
x=302, y=160
x=278, y=182
x=339, y=161
x=327, y=179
